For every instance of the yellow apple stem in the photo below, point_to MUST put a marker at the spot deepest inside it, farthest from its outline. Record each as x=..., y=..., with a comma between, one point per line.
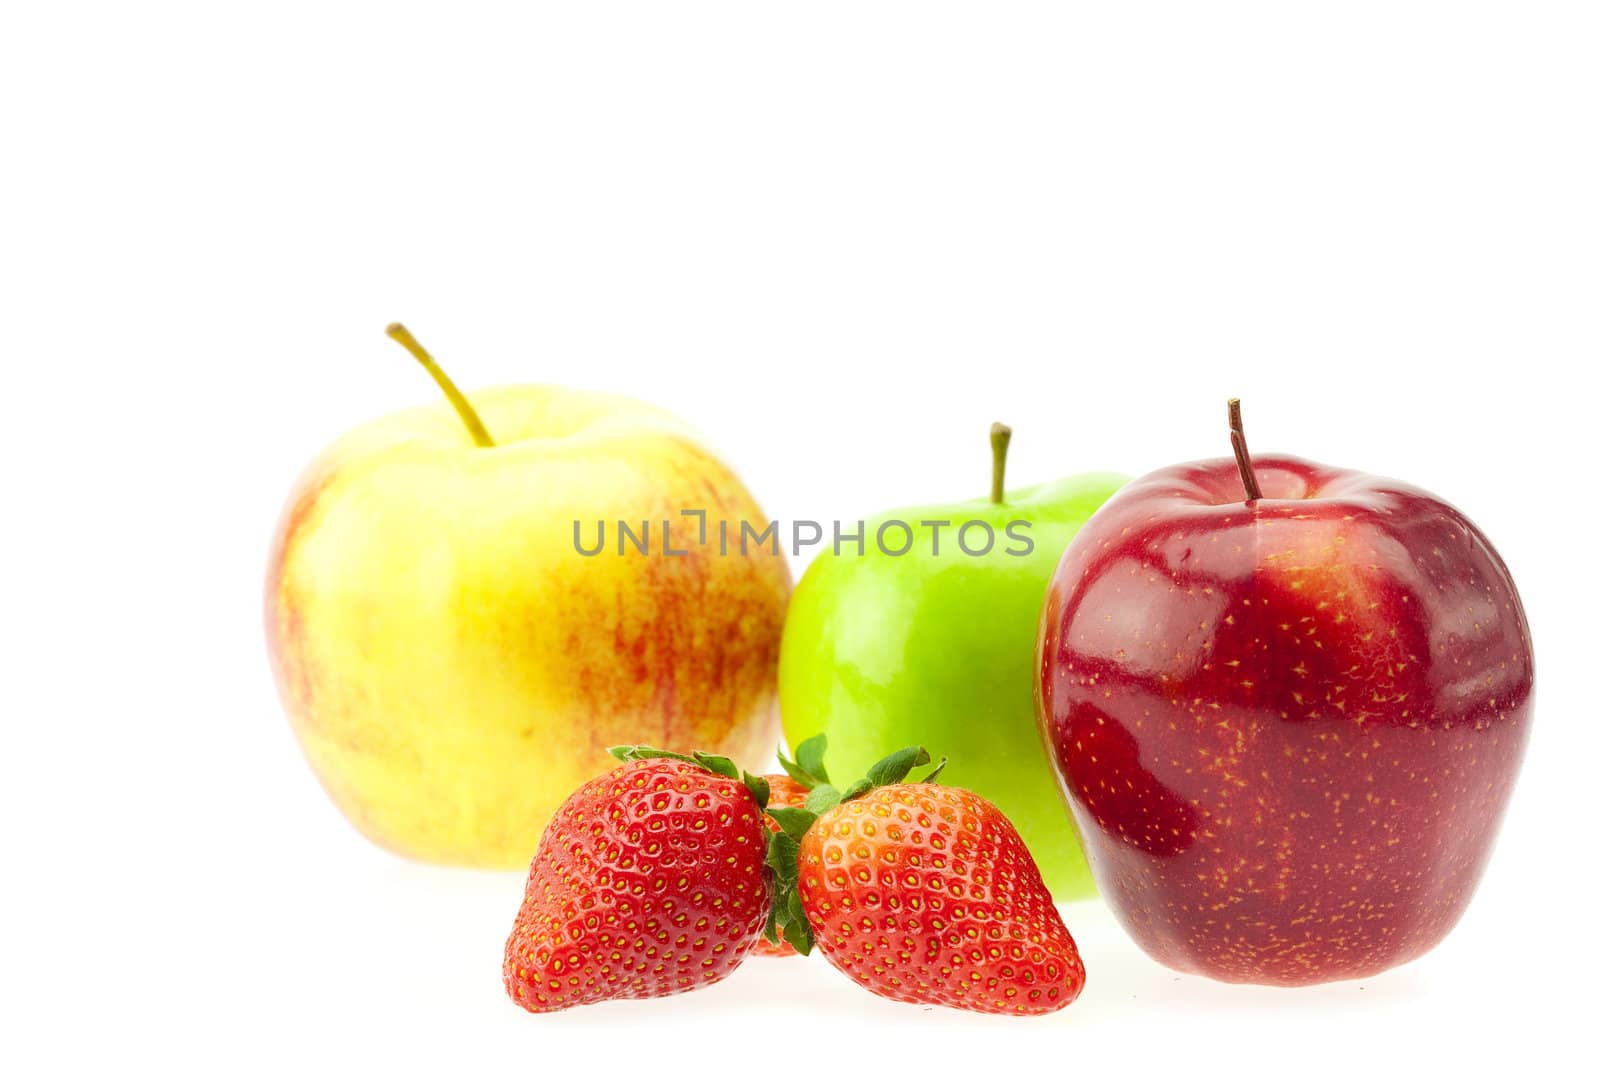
x=463, y=408
x=1241, y=452
x=999, y=442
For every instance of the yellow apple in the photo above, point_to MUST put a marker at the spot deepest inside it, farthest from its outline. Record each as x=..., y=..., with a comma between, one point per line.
x=453, y=666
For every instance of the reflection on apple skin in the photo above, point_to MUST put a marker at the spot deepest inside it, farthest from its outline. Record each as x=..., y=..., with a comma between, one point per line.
x=1125, y=800
x=1288, y=730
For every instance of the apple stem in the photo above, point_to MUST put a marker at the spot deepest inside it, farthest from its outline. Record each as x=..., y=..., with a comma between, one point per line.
x=999, y=441
x=463, y=408
x=1241, y=452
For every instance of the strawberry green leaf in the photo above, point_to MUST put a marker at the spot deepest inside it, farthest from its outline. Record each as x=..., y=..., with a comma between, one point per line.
x=629, y=753
x=783, y=853
x=771, y=933
x=717, y=764
x=797, y=931
x=933, y=774
x=859, y=787
x=759, y=788
x=809, y=756
x=709, y=761
x=823, y=798
x=797, y=772
x=787, y=914
x=895, y=766
x=793, y=821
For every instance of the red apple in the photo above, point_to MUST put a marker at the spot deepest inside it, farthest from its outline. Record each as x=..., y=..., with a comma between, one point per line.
x=1288, y=727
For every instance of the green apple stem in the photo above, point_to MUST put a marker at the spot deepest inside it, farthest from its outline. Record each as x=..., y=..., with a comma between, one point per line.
x=1241, y=452
x=463, y=408
x=999, y=441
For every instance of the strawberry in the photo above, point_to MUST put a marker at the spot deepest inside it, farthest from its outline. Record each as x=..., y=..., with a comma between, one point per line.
x=788, y=793
x=649, y=881
x=922, y=893
x=784, y=792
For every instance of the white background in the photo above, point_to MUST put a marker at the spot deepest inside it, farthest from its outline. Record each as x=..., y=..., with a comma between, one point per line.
x=840, y=238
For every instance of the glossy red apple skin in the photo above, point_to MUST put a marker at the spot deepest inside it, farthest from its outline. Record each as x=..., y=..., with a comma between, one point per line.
x=1288, y=729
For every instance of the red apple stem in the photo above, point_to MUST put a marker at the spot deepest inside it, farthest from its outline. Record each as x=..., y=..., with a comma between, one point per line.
x=463, y=408
x=999, y=442
x=1241, y=452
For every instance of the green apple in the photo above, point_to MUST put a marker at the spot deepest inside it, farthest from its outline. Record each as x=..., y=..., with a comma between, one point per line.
x=914, y=636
